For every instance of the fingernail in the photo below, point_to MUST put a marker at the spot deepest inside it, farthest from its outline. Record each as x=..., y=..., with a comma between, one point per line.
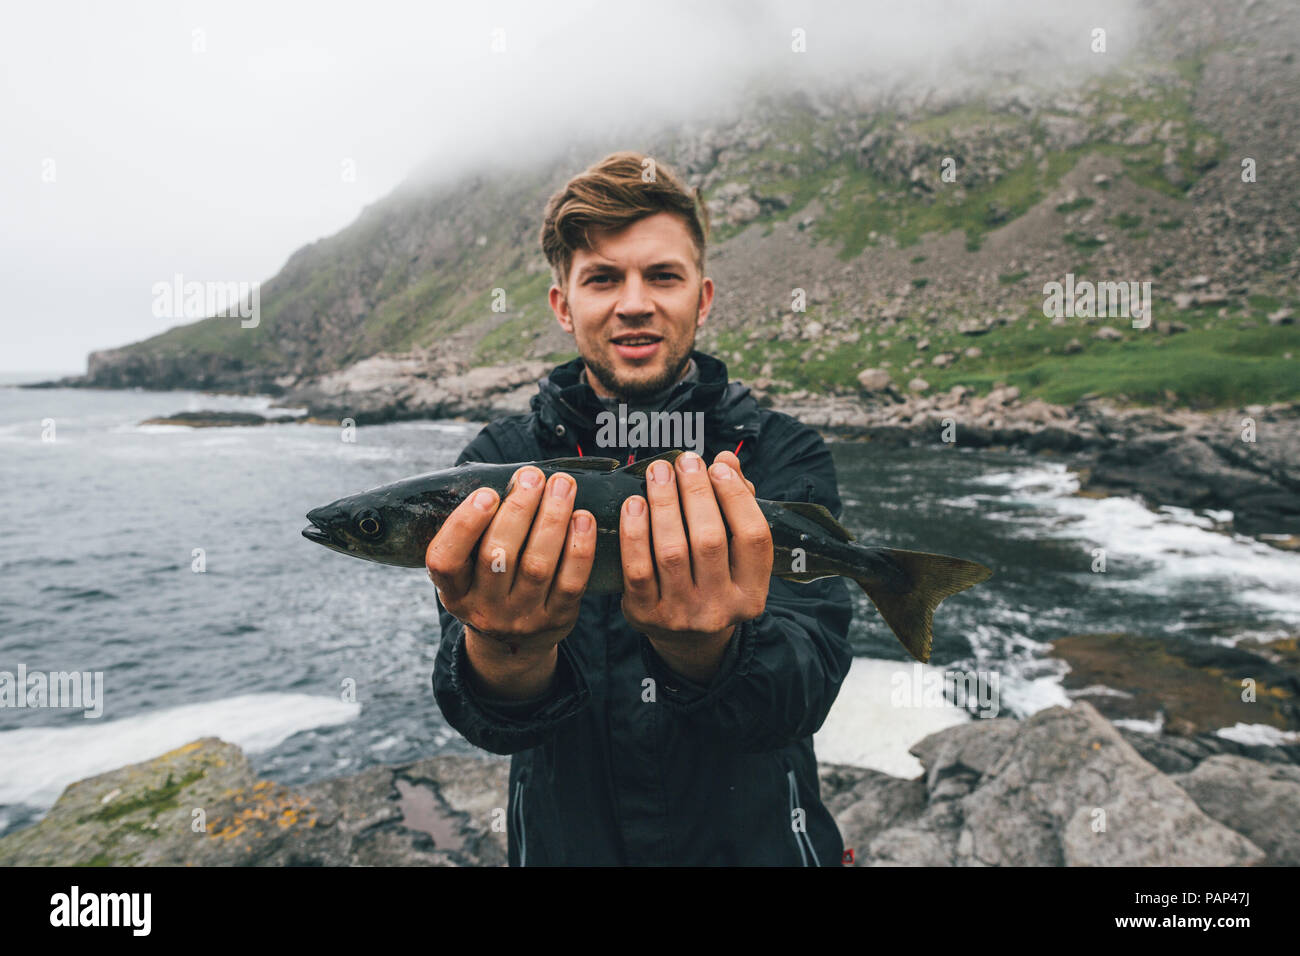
x=659, y=472
x=635, y=506
x=690, y=462
x=560, y=486
x=483, y=500
x=582, y=522
x=529, y=478
x=721, y=471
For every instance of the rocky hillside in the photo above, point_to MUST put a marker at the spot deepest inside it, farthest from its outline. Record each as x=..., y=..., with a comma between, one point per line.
x=1128, y=172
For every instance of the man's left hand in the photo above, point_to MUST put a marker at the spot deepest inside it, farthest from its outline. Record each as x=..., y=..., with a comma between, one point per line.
x=705, y=585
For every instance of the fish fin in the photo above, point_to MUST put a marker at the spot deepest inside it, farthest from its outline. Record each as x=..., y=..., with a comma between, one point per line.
x=819, y=515
x=638, y=467
x=579, y=464
x=909, y=612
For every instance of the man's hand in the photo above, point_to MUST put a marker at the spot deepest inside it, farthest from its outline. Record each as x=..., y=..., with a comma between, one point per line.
x=517, y=603
x=705, y=585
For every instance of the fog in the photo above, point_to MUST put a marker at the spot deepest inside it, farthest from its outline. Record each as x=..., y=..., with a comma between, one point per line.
x=213, y=139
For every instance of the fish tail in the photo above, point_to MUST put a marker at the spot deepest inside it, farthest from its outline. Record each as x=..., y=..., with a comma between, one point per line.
x=908, y=604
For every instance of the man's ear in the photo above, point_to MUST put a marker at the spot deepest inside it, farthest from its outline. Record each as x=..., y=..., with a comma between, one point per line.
x=560, y=306
x=706, y=301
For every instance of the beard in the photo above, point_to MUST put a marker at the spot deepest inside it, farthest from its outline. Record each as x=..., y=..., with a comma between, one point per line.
x=674, y=367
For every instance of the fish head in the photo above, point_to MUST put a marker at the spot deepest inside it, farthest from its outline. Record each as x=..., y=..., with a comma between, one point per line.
x=386, y=526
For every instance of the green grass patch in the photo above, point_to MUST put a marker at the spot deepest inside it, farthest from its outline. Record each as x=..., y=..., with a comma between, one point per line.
x=1011, y=278
x=1083, y=202
x=1080, y=241
x=154, y=801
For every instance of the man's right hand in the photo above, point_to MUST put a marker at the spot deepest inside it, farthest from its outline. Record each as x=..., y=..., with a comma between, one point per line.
x=517, y=603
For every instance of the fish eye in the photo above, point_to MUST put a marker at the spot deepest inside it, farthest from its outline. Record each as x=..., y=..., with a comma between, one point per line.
x=368, y=523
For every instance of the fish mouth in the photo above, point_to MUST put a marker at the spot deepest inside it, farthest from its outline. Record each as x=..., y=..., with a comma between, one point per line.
x=319, y=532
x=313, y=533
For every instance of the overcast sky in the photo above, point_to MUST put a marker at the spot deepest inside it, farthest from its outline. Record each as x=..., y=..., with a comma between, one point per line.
x=141, y=140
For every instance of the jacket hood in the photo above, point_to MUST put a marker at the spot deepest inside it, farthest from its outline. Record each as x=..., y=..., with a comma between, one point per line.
x=566, y=408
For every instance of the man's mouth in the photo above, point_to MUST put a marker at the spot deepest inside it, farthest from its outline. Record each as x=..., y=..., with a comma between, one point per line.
x=637, y=345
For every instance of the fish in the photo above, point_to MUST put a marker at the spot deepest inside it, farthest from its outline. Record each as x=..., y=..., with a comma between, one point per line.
x=393, y=524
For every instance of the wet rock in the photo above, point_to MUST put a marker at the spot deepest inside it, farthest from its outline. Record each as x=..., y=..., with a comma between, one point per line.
x=202, y=805
x=1260, y=801
x=1061, y=788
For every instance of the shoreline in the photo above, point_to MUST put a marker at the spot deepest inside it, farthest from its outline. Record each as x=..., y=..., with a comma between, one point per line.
x=1242, y=460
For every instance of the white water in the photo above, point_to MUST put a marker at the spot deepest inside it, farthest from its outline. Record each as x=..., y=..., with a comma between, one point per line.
x=39, y=762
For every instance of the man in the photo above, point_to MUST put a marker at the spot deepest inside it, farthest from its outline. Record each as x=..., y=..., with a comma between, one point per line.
x=671, y=724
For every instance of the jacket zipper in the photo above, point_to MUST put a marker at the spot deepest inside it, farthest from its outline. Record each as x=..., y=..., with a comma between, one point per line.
x=801, y=838
x=519, y=822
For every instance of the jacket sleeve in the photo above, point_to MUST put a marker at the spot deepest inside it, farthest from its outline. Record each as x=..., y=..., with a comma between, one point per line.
x=501, y=727
x=782, y=670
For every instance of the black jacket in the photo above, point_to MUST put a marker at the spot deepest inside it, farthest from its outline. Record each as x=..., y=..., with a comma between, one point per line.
x=723, y=774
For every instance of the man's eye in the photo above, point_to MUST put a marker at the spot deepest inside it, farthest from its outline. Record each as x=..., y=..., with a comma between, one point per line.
x=667, y=275
x=596, y=279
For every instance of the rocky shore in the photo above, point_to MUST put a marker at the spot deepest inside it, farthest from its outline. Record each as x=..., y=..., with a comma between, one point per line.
x=1062, y=788
x=1244, y=460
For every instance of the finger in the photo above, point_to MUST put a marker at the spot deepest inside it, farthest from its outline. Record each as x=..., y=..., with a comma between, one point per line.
x=575, y=565
x=671, y=549
x=704, y=528
x=448, y=556
x=639, y=585
x=729, y=458
x=541, y=556
x=499, y=553
x=751, y=537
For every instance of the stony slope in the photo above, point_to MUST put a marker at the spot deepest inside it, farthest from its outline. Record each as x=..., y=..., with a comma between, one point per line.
x=1132, y=174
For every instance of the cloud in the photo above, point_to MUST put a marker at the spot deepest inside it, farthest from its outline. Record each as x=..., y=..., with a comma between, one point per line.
x=214, y=139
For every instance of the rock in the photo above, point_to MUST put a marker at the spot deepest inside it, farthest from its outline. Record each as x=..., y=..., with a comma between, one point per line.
x=1108, y=334
x=1072, y=347
x=1192, y=685
x=1281, y=317
x=212, y=419
x=1259, y=801
x=875, y=379
x=431, y=812
x=922, y=344
x=943, y=360
x=1003, y=396
x=972, y=327
x=1212, y=467
x=918, y=385
x=1061, y=788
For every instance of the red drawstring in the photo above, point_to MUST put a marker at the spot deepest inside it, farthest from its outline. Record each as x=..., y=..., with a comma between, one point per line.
x=632, y=457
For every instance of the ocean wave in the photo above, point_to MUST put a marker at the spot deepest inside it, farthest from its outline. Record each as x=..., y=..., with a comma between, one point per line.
x=865, y=729
x=41, y=761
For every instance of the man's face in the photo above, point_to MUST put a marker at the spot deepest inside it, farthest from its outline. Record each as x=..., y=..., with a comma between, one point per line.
x=633, y=305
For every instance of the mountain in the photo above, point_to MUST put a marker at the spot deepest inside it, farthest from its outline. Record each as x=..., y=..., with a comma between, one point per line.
x=1131, y=173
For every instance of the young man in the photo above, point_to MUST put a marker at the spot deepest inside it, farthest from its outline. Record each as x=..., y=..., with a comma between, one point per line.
x=672, y=724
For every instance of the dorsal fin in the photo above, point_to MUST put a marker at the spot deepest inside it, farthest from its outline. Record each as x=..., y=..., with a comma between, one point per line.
x=638, y=467
x=818, y=514
x=579, y=464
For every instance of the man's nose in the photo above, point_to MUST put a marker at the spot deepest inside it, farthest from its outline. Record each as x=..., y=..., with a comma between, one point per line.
x=634, y=298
